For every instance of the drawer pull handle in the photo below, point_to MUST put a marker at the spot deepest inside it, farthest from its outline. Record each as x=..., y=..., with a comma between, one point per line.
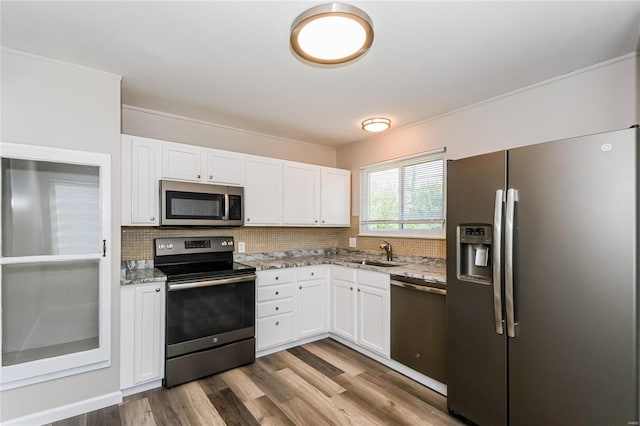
x=277, y=322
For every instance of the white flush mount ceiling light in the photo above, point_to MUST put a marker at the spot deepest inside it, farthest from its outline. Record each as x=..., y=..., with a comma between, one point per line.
x=332, y=33
x=378, y=124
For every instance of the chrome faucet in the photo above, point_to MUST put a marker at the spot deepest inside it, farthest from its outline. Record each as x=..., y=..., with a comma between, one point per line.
x=386, y=246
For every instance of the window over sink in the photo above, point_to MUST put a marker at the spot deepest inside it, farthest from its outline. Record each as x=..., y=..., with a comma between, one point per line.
x=404, y=197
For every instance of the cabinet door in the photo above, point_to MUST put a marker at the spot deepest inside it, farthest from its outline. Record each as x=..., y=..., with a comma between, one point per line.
x=182, y=162
x=343, y=309
x=311, y=308
x=335, y=197
x=274, y=330
x=225, y=168
x=301, y=194
x=148, y=333
x=144, y=182
x=373, y=319
x=263, y=191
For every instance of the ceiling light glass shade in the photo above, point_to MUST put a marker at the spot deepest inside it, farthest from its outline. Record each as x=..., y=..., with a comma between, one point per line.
x=377, y=124
x=332, y=33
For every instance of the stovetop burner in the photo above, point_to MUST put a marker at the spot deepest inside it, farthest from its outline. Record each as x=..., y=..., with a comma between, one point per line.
x=197, y=258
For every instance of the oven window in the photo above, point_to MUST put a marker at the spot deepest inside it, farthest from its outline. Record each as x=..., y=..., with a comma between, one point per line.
x=206, y=311
x=192, y=205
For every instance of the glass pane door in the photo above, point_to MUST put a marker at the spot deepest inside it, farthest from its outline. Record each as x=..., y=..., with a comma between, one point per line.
x=54, y=273
x=48, y=309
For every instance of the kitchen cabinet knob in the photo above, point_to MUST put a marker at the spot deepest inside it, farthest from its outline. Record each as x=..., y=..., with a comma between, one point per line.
x=351, y=288
x=210, y=177
x=323, y=221
x=248, y=219
x=152, y=218
x=358, y=289
x=312, y=274
x=157, y=290
x=277, y=322
x=277, y=293
x=277, y=308
x=417, y=355
x=300, y=288
x=316, y=221
x=277, y=278
x=198, y=176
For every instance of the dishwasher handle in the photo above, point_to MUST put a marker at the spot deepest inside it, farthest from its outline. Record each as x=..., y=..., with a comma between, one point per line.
x=424, y=288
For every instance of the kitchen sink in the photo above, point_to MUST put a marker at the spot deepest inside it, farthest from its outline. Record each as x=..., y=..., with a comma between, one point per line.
x=375, y=263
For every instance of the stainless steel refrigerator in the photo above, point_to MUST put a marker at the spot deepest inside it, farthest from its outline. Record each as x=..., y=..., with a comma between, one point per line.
x=542, y=255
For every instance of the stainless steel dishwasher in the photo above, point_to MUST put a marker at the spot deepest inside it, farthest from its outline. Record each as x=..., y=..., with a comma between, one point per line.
x=418, y=314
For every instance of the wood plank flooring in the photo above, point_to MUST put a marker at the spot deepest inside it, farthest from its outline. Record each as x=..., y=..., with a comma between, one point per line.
x=320, y=383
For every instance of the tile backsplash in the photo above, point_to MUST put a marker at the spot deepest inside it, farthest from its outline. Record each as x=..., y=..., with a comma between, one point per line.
x=137, y=242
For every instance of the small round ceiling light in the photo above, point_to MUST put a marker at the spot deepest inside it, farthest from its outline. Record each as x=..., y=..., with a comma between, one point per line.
x=332, y=33
x=378, y=124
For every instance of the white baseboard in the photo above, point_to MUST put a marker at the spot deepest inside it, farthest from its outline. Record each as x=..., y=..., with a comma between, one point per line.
x=141, y=388
x=66, y=411
x=290, y=345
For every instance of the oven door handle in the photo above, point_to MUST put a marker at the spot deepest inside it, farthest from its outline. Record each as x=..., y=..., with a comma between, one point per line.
x=209, y=283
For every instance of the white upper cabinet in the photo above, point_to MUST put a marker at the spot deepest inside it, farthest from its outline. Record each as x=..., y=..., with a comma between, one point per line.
x=182, y=162
x=301, y=194
x=139, y=181
x=225, y=168
x=276, y=192
x=335, y=197
x=263, y=191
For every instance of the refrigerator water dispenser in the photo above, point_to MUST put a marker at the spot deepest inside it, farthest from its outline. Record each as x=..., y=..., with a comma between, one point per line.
x=474, y=253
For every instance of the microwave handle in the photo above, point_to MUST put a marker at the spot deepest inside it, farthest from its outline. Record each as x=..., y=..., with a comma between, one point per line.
x=226, y=206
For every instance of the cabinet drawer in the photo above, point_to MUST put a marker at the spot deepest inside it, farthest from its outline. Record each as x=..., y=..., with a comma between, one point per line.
x=311, y=273
x=275, y=330
x=274, y=307
x=343, y=274
x=275, y=292
x=373, y=279
x=275, y=276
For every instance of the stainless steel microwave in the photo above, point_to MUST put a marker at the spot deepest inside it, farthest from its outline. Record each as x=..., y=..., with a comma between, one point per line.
x=200, y=204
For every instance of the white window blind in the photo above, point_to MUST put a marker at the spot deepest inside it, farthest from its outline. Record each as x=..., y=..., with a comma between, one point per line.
x=404, y=197
x=75, y=217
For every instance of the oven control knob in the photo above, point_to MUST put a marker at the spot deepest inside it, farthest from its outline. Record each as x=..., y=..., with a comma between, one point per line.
x=215, y=340
x=230, y=243
x=161, y=246
x=223, y=244
x=169, y=246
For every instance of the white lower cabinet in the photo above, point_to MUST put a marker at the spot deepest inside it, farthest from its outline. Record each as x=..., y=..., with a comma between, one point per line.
x=291, y=305
x=142, y=334
x=311, y=312
x=275, y=322
x=361, y=307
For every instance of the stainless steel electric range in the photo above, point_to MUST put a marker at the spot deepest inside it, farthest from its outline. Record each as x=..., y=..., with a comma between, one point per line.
x=210, y=321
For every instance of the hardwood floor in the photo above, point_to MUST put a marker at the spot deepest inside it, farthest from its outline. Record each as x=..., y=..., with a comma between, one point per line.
x=320, y=383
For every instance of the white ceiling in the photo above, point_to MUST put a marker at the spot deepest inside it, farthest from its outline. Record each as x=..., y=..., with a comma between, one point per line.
x=229, y=62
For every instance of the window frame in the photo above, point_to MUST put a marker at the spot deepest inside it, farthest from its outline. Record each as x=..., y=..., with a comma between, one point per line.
x=400, y=163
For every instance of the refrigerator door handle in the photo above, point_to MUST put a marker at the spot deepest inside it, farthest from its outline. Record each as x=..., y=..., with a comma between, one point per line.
x=512, y=197
x=497, y=261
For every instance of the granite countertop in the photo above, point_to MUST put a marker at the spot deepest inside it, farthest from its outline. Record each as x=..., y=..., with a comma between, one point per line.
x=139, y=272
x=427, y=268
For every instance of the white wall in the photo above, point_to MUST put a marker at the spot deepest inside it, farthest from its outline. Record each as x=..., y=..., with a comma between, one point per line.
x=157, y=125
x=51, y=103
x=596, y=99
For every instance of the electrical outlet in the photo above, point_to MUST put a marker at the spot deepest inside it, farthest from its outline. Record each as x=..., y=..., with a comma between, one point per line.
x=241, y=247
x=352, y=242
